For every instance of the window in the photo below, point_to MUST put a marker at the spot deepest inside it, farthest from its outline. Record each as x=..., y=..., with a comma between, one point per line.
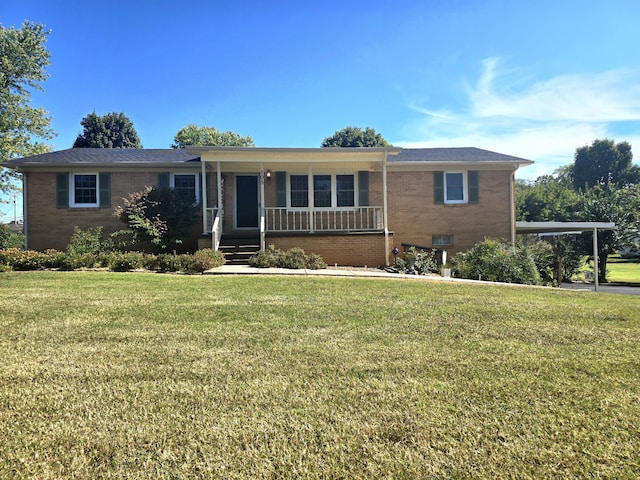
x=454, y=188
x=329, y=191
x=322, y=191
x=299, y=190
x=83, y=190
x=442, y=240
x=186, y=184
x=345, y=190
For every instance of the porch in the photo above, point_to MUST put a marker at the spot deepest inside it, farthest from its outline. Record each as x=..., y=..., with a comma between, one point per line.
x=295, y=193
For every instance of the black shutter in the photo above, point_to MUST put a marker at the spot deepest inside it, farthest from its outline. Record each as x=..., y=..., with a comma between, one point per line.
x=438, y=187
x=163, y=180
x=281, y=189
x=474, y=189
x=62, y=190
x=104, y=179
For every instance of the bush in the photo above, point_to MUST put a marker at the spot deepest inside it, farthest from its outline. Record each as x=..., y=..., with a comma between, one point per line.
x=87, y=241
x=496, y=262
x=19, y=259
x=424, y=261
x=202, y=260
x=9, y=238
x=125, y=261
x=294, y=258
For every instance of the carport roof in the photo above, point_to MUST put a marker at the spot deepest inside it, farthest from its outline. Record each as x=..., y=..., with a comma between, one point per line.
x=562, y=227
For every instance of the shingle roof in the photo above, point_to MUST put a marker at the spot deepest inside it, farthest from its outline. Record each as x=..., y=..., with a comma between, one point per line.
x=107, y=156
x=140, y=156
x=462, y=154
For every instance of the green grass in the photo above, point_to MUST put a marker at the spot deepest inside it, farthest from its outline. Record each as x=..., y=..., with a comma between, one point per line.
x=107, y=375
x=623, y=271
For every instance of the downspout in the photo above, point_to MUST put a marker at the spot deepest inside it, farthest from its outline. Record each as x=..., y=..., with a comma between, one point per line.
x=25, y=229
x=385, y=217
x=512, y=206
x=595, y=259
x=203, y=196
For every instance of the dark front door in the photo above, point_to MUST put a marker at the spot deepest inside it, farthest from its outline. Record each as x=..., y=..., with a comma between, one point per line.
x=246, y=201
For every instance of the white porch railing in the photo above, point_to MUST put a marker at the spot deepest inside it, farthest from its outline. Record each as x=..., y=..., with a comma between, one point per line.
x=359, y=219
x=214, y=225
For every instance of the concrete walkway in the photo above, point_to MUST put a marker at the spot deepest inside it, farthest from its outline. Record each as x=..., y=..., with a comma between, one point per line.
x=376, y=273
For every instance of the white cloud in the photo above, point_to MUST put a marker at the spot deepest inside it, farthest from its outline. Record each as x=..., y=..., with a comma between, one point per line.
x=543, y=121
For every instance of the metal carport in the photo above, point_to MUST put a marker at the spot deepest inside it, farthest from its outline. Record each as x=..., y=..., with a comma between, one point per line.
x=568, y=228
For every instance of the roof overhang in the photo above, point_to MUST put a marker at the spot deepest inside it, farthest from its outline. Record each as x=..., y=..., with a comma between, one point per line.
x=292, y=155
x=562, y=227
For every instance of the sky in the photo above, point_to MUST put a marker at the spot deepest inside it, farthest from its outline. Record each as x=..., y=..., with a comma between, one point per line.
x=533, y=79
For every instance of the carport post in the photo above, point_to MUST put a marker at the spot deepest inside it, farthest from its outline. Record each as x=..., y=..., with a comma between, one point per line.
x=595, y=259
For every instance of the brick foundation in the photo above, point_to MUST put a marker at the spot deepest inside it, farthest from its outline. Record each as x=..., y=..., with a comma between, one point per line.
x=355, y=249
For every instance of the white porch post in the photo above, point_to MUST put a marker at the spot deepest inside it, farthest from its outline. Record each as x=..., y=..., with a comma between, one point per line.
x=312, y=220
x=385, y=216
x=595, y=259
x=219, y=183
x=261, y=208
x=203, y=196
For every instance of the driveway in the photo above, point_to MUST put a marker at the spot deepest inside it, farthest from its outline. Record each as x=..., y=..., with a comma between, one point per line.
x=621, y=289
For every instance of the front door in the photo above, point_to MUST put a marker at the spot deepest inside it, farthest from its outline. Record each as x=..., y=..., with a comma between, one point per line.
x=246, y=201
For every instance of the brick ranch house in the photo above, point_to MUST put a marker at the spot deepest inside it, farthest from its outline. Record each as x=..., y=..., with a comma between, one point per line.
x=349, y=205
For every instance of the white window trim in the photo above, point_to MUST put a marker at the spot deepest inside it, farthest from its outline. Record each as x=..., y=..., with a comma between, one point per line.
x=72, y=191
x=172, y=182
x=465, y=194
x=334, y=191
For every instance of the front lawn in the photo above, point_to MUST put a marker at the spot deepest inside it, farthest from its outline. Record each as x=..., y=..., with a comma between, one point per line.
x=169, y=376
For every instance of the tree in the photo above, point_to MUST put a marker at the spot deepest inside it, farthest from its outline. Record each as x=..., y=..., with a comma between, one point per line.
x=608, y=204
x=114, y=130
x=545, y=200
x=604, y=163
x=209, y=137
x=23, y=128
x=157, y=217
x=355, y=137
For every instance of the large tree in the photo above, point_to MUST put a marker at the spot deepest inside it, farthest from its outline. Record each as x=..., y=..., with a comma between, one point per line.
x=608, y=204
x=355, y=137
x=604, y=163
x=23, y=128
x=209, y=137
x=113, y=130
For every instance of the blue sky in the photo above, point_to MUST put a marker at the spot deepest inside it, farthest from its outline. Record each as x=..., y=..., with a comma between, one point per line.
x=531, y=79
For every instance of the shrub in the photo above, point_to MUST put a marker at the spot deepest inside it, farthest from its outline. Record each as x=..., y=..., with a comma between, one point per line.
x=87, y=241
x=9, y=238
x=496, y=262
x=19, y=259
x=294, y=258
x=269, y=257
x=315, y=262
x=125, y=261
x=202, y=260
x=424, y=260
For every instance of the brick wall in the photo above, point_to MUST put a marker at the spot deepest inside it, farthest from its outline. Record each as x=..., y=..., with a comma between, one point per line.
x=414, y=217
x=52, y=227
x=350, y=249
